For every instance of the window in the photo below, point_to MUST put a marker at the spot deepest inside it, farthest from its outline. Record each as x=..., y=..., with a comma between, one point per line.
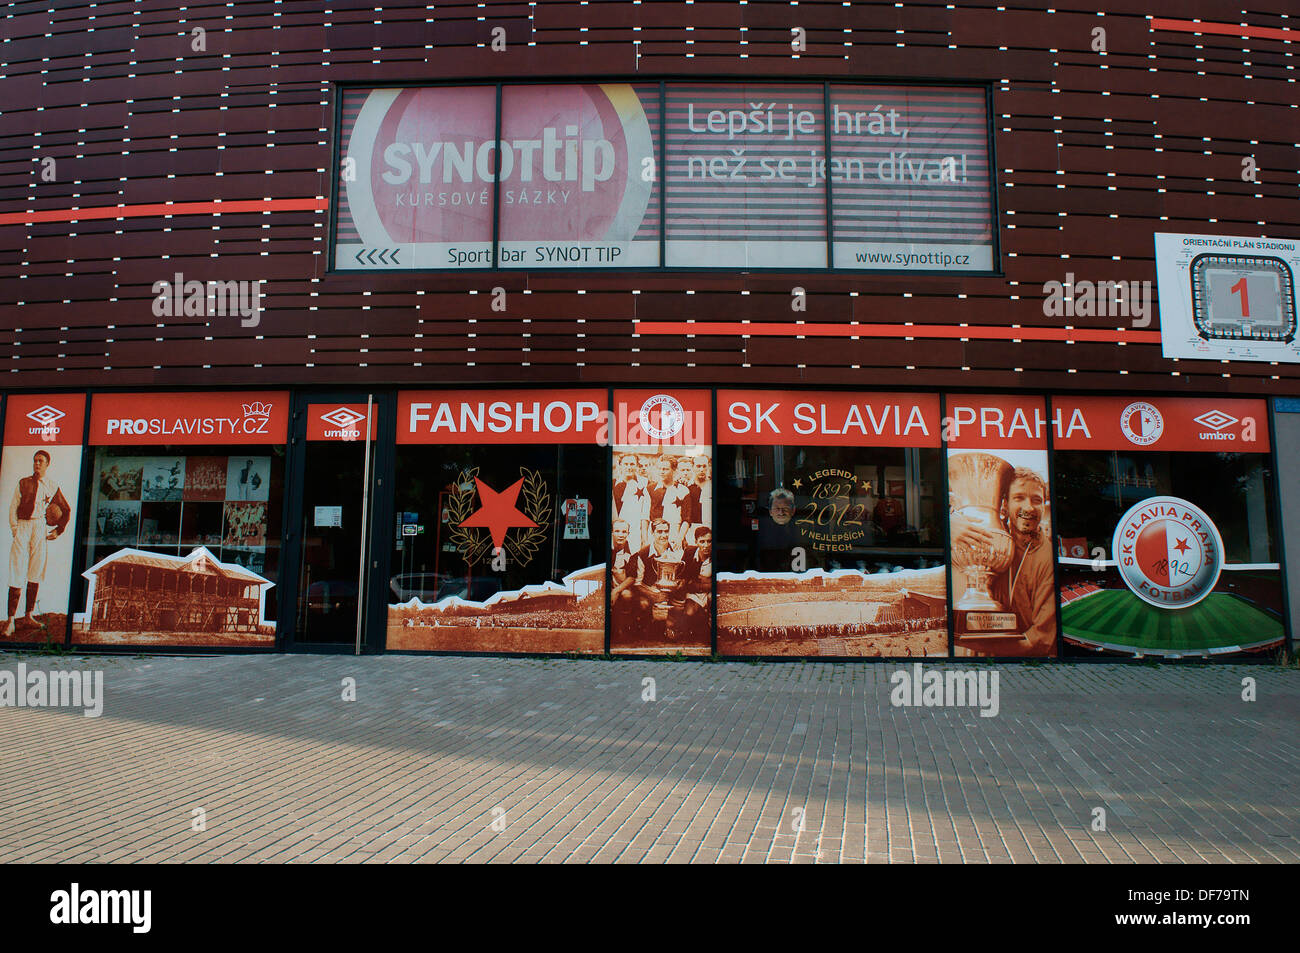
x=831, y=515
x=183, y=540
x=1166, y=539
x=499, y=541
x=719, y=174
x=183, y=545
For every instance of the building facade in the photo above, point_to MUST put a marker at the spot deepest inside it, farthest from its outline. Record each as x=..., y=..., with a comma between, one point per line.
x=752, y=329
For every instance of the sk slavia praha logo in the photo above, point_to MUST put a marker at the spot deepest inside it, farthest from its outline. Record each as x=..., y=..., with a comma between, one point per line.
x=662, y=417
x=1141, y=423
x=1168, y=552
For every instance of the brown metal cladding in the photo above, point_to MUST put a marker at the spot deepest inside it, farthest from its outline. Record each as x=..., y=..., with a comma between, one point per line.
x=1093, y=153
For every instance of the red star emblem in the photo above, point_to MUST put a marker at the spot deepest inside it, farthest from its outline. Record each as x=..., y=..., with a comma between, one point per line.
x=1182, y=546
x=497, y=511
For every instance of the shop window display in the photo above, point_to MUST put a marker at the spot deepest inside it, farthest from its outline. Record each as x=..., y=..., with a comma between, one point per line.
x=183, y=534
x=834, y=536
x=1167, y=544
x=171, y=550
x=498, y=542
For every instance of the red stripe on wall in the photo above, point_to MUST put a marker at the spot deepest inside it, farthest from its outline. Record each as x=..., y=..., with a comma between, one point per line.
x=166, y=208
x=775, y=329
x=1224, y=29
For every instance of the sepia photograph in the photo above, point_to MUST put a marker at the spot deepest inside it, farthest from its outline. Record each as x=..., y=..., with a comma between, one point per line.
x=40, y=486
x=245, y=526
x=1003, y=575
x=662, y=550
x=205, y=478
x=843, y=612
x=119, y=478
x=136, y=597
x=568, y=616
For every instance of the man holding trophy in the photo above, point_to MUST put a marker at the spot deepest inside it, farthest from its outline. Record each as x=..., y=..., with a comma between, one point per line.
x=648, y=578
x=1009, y=606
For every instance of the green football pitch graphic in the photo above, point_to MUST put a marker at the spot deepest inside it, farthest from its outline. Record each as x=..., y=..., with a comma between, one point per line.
x=1119, y=618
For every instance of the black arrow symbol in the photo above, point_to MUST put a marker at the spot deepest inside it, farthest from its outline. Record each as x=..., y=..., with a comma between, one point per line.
x=387, y=256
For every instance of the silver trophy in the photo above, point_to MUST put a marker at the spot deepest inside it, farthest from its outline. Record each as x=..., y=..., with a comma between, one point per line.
x=978, y=483
x=666, y=566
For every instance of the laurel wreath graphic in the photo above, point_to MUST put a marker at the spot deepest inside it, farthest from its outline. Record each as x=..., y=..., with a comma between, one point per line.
x=521, y=543
x=472, y=543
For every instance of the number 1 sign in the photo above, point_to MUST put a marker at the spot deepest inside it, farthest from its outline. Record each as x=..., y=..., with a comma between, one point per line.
x=1228, y=297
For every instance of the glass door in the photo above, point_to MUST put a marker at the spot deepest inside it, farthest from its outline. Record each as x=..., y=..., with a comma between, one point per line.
x=335, y=520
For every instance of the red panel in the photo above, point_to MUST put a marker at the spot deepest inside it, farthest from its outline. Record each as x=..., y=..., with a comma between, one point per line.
x=239, y=417
x=995, y=422
x=828, y=418
x=1216, y=425
x=56, y=419
x=662, y=418
x=341, y=422
x=501, y=417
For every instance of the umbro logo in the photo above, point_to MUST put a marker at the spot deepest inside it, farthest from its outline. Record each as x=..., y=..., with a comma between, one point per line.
x=46, y=417
x=1216, y=419
x=45, y=414
x=1218, y=422
x=343, y=418
x=343, y=421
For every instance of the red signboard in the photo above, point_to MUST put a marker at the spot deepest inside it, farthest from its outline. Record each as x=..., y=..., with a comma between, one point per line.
x=995, y=422
x=1215, y=424
x=501, y=416
x=237, y=417
x=662, y=418
x=33, y=419
x=344, y=422
x=828, y=419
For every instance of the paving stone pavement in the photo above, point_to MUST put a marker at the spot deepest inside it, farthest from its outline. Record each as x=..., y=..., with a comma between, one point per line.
x=554, y=760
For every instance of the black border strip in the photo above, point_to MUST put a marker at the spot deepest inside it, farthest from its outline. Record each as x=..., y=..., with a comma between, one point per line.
x=334, y=176
x=829, y=144
x=76, y=582
x=1279, y=523
x=712, y=524
x=496, y=188
x=608, y=507
x=995, y=210
x=1056, y=535
x=946, y=532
